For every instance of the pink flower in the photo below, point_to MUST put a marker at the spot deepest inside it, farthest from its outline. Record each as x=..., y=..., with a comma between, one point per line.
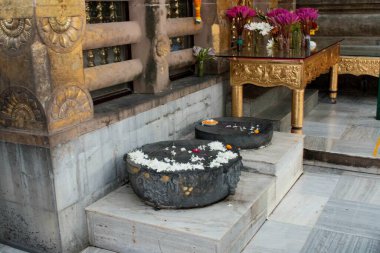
x=277, y=12
x=240, y=11
x=307, y=14
x=286, y=19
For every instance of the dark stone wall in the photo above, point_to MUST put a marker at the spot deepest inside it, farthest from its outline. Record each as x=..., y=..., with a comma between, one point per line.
x=355, y=21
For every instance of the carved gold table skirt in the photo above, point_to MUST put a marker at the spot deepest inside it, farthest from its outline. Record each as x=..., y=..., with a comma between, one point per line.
x=294, y=73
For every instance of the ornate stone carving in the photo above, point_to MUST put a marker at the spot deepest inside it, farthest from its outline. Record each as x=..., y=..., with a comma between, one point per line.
x=266, y=74
x=61, y=34
x=70, y=101
x=20, y=109
x=15, y=34
x=70, y=104
x=360, y=66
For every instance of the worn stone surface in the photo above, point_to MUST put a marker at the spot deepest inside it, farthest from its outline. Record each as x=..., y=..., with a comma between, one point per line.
x=49, y=189
x=27, y=204
x=123, y=223
x=282, y=158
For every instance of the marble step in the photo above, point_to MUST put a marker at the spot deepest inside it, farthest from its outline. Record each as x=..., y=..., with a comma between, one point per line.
x=259, y=99
x=121, y=222
x=280, y=113
x=95, y=250
x=283, y=159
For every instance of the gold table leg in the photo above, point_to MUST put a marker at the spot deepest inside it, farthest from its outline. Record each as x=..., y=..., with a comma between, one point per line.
x=334, y=84
x=297, y=111
x=237, y=101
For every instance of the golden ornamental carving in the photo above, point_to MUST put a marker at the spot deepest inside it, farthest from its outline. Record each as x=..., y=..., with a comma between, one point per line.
x=20, y=109
x=360, y=66
x=320, y=64
x=61, y=34
x=15, y=34
x=266, y=74
x=70, y=101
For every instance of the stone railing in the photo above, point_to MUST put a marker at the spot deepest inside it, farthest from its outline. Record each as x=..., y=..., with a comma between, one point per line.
x=53, y=53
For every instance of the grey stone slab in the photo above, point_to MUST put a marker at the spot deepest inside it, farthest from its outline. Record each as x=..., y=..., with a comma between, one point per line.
x=299, y=209
x=123, y=223
x=283, y=158
x=323, y=241
x=95, y=250
x=278, y=237
x=331, y=131
x=350, y=217
x=362, y=133
x=29, y=228
x=8, y=249
x=280, y=150
x=316, y=184
x=358, y=187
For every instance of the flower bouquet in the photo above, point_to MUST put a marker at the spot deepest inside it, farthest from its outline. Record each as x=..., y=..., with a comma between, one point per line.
x=308, y=18
x=202, y=55
x=283, y=21
x=261, y=30
x=239, y=16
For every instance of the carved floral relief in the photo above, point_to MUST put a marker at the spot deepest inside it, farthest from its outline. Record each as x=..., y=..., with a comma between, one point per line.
x=360, y=66
x=20, y=109
x=61, y=33
x=266, y=74
x=15, y=33
x=69, y=104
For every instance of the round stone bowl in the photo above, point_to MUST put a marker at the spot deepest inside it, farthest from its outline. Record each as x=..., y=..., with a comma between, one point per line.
x=237, y=136
x=182, y=188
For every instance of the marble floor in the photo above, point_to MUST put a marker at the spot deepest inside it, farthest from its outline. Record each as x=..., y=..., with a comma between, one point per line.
x=348, y=127
x=327, y=211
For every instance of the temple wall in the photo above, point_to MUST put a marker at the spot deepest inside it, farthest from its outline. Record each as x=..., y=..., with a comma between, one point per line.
x=355, y=21
x=46, y=190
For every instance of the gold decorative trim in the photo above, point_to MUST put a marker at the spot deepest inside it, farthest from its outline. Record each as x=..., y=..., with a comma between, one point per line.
x=20, y=109
x=69, y=105
x=15, y=34
x=320, y=64
x=266, y=74
x=61, y=34
x=358, y=65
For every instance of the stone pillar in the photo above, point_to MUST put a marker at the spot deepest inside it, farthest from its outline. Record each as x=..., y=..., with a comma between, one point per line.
x=42, y=92
x=154, y=48
x=41, y=69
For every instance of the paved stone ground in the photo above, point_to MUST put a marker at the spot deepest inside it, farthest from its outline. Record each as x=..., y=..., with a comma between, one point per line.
x=327, y=211
x=348, y=127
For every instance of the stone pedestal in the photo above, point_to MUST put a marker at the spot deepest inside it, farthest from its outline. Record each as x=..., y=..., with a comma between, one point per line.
x=121, y=222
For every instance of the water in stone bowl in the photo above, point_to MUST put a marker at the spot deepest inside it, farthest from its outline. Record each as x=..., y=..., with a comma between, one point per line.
x=183, y=174
x=245, y=132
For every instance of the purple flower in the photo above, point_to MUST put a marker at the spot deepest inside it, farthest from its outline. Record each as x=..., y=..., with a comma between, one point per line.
x=307, y=14
x=285, y=19
x=240, y=11
x=277, y=12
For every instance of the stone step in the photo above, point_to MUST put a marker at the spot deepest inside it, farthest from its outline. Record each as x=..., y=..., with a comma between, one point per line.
x=95, y=250
x=8, y=249
x=121, y=222
x=260, y=100
x=283, y=159
x=280, y=113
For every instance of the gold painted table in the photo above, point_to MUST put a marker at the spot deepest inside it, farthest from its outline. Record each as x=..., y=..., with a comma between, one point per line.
x=294, y=69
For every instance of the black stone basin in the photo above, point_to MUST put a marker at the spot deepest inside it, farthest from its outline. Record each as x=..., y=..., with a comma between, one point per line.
x=236, y=132
x=182, y=188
